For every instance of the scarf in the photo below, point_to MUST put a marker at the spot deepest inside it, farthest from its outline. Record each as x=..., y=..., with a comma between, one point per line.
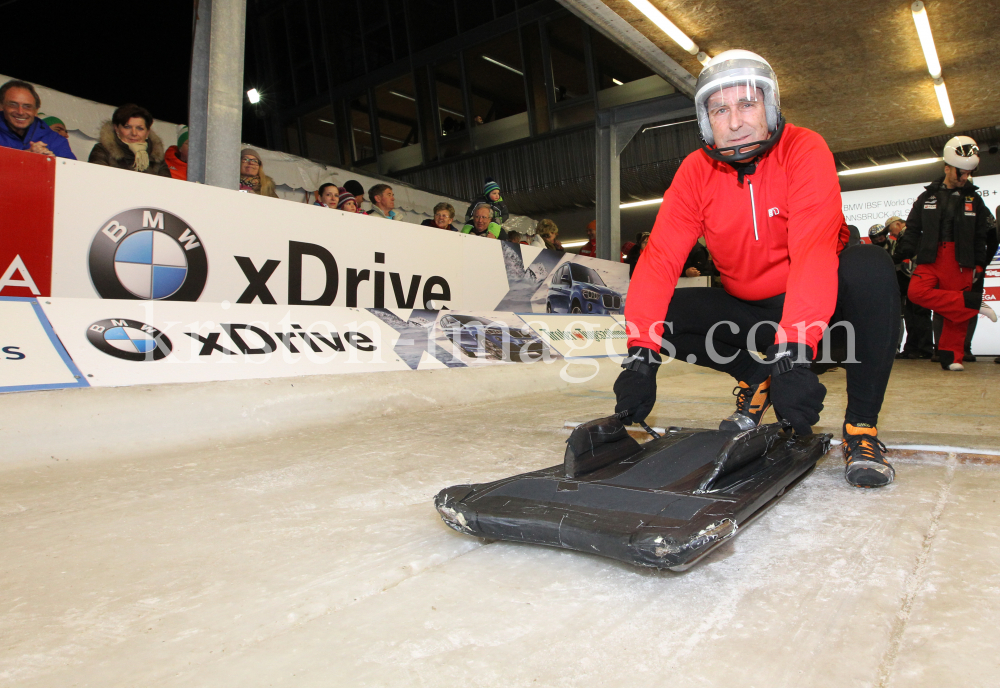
x=252, y=182
x=141, y=156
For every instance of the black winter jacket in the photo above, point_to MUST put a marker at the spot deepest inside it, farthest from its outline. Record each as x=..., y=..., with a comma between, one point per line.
x=923, y=226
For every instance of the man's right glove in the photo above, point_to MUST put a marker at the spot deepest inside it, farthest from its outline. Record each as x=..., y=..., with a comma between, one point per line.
x=635, y=388
x=796, y=392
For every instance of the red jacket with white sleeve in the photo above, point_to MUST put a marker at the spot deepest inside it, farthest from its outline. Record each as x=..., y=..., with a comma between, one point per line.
x=779, y=231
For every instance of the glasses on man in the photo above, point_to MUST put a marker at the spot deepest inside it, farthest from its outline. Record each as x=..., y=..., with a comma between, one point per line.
x=251, y=161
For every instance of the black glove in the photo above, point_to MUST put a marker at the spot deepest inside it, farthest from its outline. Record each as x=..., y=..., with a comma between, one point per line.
x=796, y=392
x=635, y=388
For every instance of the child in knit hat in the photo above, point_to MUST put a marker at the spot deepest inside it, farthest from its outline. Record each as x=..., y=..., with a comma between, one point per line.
x=491, y=195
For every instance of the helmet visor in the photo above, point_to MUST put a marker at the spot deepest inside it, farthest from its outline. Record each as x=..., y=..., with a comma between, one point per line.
x=737, y=114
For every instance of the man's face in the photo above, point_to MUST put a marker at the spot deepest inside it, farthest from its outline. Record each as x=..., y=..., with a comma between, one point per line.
x=19, y=109
x=737, y=116
x=60, y=129
x=442, y=219
x=954, y=177
x=896, y=228
x=879, y=240
x=481, y=219
x=182, y=152
x=386, y=200
x=592, y=234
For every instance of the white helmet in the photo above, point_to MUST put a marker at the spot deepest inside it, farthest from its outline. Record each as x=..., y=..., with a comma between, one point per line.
x=962, y=152
x=730, y=68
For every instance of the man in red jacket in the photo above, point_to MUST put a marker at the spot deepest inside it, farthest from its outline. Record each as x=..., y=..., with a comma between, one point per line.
x=765, y=196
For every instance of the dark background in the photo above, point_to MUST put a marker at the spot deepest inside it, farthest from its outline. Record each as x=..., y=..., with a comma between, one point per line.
x=110, y=52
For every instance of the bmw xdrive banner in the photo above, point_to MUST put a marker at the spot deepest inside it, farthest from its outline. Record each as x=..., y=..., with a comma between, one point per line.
x=120, y=235
x=116, y=342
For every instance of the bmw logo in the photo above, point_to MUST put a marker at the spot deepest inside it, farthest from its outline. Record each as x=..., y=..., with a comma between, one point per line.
x=130, y=340
x=147, y=253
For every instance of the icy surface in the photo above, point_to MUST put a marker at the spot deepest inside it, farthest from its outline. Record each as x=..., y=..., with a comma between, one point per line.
x=318, y=560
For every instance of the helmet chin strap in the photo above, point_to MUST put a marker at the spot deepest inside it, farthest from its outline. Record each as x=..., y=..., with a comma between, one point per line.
x=745, y=151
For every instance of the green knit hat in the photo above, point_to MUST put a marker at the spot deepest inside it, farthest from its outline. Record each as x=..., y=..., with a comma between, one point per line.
x=183, y=136
x=50, y=120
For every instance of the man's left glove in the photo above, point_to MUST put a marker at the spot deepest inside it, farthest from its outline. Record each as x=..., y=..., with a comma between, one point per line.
x=796, y=391
x=635, y=388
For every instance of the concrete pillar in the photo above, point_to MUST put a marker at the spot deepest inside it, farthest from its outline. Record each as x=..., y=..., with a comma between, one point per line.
x=608, y=193
x=216, y=110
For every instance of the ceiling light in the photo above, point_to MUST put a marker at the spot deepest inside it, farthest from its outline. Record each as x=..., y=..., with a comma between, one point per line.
x=402, y=95
x=944, y=103
x=615, y=81
x=669, y=124
x=390, y=138
x=450, y=112
x=667, y=26
x=498, y=63
x=326, y=121
x=926, y=39
x=636, y=204
x=253, y=95
x=574, y=244
x=890, y=166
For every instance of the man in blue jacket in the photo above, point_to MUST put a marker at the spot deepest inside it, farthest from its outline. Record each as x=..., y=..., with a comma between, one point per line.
x=21, y=129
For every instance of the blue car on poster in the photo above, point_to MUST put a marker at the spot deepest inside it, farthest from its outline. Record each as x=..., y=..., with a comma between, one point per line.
x=576, y=288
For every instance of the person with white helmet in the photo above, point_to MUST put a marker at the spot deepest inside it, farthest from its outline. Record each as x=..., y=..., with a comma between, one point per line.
x=765, y=196
x=946, y=238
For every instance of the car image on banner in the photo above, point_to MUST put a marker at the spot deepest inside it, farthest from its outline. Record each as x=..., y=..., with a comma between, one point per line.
x=577, y=288
x=483, y=338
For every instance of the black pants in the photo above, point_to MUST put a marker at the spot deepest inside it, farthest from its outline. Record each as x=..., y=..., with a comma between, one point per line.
x=918, y=329
x=868, y=299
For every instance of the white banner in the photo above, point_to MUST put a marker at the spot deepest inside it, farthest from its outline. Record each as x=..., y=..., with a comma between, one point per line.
x=129, y=342
x=121, y=235
x=31, y=356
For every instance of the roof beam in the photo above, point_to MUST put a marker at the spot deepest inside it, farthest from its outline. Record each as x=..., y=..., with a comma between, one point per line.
x=617, y=30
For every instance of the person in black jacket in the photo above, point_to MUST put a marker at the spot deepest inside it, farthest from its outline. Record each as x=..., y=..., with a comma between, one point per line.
x=919, y=342
x=491, y=195
x=946, y=236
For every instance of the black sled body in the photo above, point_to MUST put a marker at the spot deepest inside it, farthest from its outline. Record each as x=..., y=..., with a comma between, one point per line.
x=663, y=504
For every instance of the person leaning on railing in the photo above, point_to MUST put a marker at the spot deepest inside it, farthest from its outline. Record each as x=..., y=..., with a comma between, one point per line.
x=252, y=177
x=129, y=143
x=20, y=127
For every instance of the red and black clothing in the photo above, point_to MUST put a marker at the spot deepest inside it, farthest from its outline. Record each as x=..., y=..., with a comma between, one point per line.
x=946, y=236
x=776, y=231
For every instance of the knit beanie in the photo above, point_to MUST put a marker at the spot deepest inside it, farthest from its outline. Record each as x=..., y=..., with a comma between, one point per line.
x=354, y=188
x=345, y=196
x=183, y=136
x=50, y=120
x=490, y=186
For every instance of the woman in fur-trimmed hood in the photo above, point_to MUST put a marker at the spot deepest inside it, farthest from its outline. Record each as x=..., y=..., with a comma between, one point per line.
x=128, y=143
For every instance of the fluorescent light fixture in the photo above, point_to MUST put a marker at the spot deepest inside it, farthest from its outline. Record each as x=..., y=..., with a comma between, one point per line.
x=326, y=121
x=890, y=166
x=402, y=95
x=498, y=63
x=615, y=81
x=253, y=95
x=365, y=131
x=704, y=58
x=944, y=103
x=450, y=112
x=669, y=124
x=636, y=204
x=926, y=39
x=574, y=244
x=668, y=27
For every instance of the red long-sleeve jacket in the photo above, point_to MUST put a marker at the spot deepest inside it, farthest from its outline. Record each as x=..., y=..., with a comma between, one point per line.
x=780, y=231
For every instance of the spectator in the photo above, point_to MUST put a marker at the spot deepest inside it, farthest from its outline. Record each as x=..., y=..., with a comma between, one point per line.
x=21, y=129
x=354, y=188
x=383, y=201
x=55, y=124
x=347, y=202
x=548, y=231
x=515, y=237
x=328, y=195
x=483, y=224
x=444, y=216
x=177, y=157
x=491, y=196
x=252, y=177
x=699, y=262
x=590, y=248
x=129, y=143
x=636, y=251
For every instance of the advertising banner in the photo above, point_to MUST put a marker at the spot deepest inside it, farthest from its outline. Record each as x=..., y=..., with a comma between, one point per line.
x=31, y=356
x=128, y=342
x=121, y=235
x=27, y=183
